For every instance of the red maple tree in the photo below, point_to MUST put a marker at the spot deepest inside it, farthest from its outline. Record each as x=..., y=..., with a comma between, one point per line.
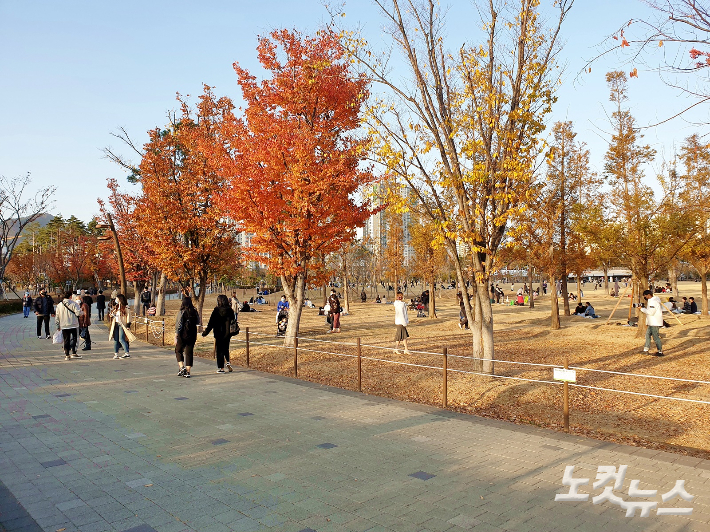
x=296, y=158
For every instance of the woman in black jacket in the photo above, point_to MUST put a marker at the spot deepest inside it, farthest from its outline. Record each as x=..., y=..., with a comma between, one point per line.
x=220, y=319
x=185, y=336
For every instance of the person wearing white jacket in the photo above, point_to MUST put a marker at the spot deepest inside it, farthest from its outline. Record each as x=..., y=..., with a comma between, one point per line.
x=654, y=321
x=401, y=320
x=67, y=319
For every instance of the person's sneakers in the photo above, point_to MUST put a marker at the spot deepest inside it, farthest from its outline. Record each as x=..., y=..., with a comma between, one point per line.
x=126, y=355
x=397, y=352
x=407, y=352
x=67, y=357
x=39, y=337
x=220, y=370
x=659, y=354
x=75, y=356
x=182, y=372
x=116, y=357
x=645, y=349
x=187, y=375
x=48, y=336
x=228, y=366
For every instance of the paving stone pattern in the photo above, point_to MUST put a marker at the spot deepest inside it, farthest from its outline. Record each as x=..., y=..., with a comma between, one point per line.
x=217, y=453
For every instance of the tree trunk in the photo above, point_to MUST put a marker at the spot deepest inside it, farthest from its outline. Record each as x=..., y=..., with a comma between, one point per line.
x=531, y=299
x=160, y=297
x=294, y=289
x=642, y=284
x=555, y=306
x=432, y=300
x=476, y=330
x=137, y=289
x=565, y=294
x=673, y=278
x=153, y=291
x=201, y=296
x=606, y=280
x=345, y=283
x=704, y=290
x=486, y=328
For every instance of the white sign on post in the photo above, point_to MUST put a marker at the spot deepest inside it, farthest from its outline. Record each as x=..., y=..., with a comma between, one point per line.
x=566, y=375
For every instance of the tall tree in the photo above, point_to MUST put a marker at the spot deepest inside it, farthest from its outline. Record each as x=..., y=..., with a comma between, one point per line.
x=297, y=159
x=462, y=129
x=429, y=256
x=652, y=231
x=694, y=197
x=17, y=210
x=178, y=214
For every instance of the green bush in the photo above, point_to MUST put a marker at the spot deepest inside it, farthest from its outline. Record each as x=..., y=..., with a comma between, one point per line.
x=10, y=306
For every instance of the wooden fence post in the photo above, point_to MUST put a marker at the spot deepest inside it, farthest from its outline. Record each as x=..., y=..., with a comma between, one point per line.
x=444, y=391
x=247, y=346
x=566, y=397
x=359, y=366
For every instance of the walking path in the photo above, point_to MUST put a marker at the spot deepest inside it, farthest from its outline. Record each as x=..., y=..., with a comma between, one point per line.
x=100, y=444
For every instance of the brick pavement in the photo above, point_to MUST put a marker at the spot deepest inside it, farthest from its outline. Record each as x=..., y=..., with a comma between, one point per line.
x=100, y=444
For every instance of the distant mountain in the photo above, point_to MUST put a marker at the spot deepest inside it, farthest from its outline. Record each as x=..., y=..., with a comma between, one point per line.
x=42, y=220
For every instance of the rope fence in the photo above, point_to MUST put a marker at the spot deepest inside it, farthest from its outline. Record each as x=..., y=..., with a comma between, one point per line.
x=298, y=345
x=154, y=327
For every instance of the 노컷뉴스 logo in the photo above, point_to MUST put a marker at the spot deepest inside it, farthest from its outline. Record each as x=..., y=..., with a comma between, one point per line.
x=608, y=474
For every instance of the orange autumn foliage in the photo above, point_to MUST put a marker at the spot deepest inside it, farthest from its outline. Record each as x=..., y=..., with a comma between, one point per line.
x=178, y=216
x=296, y=156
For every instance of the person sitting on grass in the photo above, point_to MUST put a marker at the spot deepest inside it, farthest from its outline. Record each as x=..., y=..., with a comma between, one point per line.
x=693, y=306
x=685, y=309
x=589, y=312
x=580, y=310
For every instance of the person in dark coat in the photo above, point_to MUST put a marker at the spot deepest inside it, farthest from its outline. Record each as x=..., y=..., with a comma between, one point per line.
x=44, y=308
x=334, y=312
x=221, y=317
x=101, y=304
x=185, y=336
x=27, y=304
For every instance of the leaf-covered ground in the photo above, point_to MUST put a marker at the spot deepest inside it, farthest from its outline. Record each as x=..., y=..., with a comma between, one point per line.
x=521, y=335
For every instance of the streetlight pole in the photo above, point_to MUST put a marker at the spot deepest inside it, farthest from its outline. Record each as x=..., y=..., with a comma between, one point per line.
x=121, y=269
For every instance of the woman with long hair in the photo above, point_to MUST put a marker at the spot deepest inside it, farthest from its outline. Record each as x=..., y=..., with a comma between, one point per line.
x=121, y=319
x=185, y=336
x=221, y=317
x=85, y=321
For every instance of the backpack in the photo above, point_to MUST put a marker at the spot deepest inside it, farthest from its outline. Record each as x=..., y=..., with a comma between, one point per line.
x=188, y=331
x=233, y=328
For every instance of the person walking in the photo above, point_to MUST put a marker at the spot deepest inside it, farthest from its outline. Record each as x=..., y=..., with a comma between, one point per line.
x=401, y=320
x=67, y=319
x=121, y=315
x=185, y=336
x=654, y=321
x=145, y=299
x=44, y=308
x=27, y=304
x=101, y=304
x=334, y=312
x=220, y=319
x=84, y=322
x=234, y=302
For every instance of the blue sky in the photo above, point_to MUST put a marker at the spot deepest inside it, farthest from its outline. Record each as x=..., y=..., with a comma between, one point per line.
x=72, y=72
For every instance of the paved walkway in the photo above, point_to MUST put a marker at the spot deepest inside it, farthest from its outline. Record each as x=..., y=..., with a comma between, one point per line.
x=100, y=444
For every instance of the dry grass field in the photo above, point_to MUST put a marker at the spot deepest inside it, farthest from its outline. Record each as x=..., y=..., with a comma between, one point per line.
x=521, y=335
